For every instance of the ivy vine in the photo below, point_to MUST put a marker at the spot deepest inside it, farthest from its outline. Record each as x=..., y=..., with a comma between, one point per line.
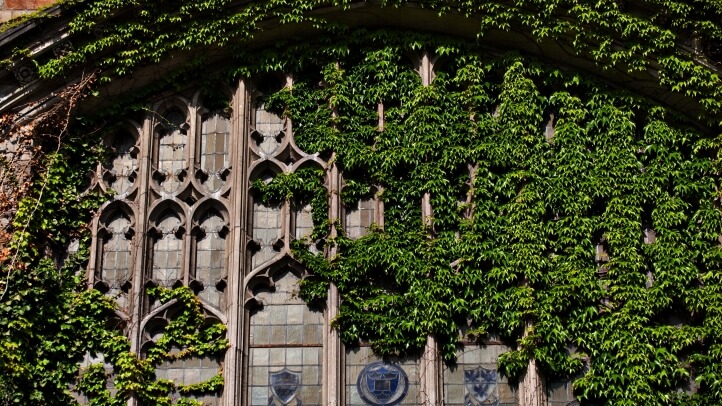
x=518, y=216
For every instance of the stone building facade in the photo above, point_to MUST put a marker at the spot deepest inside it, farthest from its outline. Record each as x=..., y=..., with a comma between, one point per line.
x=188, y=171
x=183, y=213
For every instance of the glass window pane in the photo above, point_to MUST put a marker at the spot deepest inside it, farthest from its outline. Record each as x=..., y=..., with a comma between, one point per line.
x=167, y=250
x=210, y=252
x=172, y=151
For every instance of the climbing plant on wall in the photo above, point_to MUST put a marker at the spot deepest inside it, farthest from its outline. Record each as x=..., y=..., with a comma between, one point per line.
x=603, y=234
x=514, y=239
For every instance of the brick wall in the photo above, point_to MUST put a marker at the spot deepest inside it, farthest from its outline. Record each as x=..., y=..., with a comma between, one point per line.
x=13, y=8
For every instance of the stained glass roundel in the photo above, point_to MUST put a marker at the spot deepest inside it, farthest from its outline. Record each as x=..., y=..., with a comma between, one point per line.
x=380, y=383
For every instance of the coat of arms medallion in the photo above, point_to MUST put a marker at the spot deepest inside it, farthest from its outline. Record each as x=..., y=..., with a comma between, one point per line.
x=380, y=384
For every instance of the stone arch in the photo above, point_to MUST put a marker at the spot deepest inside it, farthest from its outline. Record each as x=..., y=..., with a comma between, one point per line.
x=285, y=338
x=172, y=147
x=166, y=246
x=121, y=172
x=267, y=222
x=302, y=225
x=267, y=129
x=115, y=253
x=208, y=274
x=213, y=143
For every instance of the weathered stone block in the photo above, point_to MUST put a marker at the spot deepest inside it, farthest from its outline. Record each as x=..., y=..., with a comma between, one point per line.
x=27, y=4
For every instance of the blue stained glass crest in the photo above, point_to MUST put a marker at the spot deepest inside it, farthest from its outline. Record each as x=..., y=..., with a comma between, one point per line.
x=481, y=387
x=382, y=384
x=285, y=385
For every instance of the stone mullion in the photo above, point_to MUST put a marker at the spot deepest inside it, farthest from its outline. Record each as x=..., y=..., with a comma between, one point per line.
x=531, y=387
x=430, y=360
x=141, y=240
x=287, y=209
x=95, y=245
x=188, y=251
x=332, y=341
x=238, y=237
x=378, y=202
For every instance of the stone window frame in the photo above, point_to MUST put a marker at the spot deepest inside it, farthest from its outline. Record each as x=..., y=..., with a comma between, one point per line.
x=110, y=142
x=200, y=174
x=197, y=232
x=161, y=128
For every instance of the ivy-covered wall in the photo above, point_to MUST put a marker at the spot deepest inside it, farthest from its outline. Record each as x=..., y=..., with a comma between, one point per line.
x=519, y=215
x=573, y=218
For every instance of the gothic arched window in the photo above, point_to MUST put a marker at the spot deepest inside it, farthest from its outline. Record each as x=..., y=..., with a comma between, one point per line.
x=210, y=257
x=172, y=147
x=285, y=346
x=214, y=162
x=123, y=164
x=167, y=249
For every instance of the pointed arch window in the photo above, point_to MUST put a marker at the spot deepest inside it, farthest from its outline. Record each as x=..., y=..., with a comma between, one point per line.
x=267, y=226
x=167, y=249
x=115, y=259
x=172, y=144
x=117, y=251
x=268, y=128
x=123, y=164
x=210, y=257
x=286, y=342
x=214, y=162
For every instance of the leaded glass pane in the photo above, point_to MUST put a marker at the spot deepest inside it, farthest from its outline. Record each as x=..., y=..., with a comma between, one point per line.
x=116, y=253
x=267, y=225
x=123, y=164
x=561, y=394
x=285, y=348
x=210, y=257
x=190, y=371
x=359, y=219
x=172, y=151
x=167, y=250
x=214, y=150
x=90, y=360
x=304, y=223
x=475, y=378
x=268, y=127
x=116, y=260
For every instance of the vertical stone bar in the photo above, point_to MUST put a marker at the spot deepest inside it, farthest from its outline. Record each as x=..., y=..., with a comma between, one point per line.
x=233, y=364
x=379, y=214
x=380, y=111
x=95, y=244
x=287, y=209
x=193, y=133
x=531, y=386
x=429, y=362
x=430, y=373
x=332, y=341
x=144, y=173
